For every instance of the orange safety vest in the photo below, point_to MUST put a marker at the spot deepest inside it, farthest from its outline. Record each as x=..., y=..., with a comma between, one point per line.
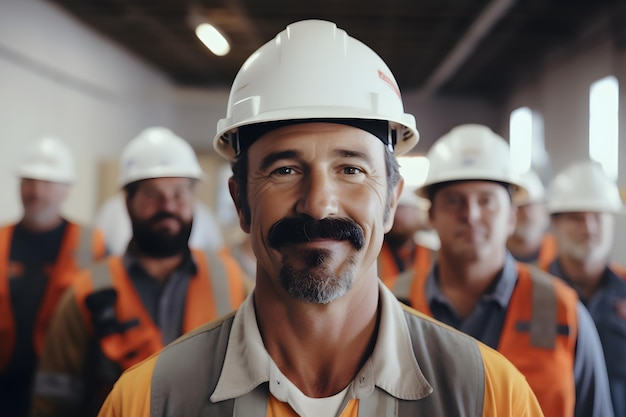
x=540, y=305
x=547, y=252
x=216, y=289
x=388, y=269
x=79, y=247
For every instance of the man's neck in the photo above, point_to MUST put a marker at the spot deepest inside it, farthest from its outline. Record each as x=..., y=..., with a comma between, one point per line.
x=463, y=283
x=41, y=224
x=585, y=276
x=160, y=268
x=523, y=248
x=319, y=348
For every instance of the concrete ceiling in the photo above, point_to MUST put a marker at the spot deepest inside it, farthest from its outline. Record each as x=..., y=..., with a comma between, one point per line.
x=463, y=48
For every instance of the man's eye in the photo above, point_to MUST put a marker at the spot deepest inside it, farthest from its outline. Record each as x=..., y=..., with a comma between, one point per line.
x=283, y=171
x=352, y=170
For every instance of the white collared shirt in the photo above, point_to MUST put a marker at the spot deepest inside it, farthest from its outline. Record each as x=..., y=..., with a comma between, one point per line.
x=392, y=366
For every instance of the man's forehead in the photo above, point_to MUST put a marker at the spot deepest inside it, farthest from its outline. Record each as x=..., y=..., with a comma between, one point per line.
x=334, y=137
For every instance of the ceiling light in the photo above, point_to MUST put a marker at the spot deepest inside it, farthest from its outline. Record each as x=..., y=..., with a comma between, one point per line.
x=212, y=39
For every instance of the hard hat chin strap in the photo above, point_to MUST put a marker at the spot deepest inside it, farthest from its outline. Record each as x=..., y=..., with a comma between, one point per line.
x=244, y=136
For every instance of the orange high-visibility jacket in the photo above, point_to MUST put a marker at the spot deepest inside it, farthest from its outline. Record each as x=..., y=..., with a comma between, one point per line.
x=538, y=337
x=211, y=293
x=80, y=246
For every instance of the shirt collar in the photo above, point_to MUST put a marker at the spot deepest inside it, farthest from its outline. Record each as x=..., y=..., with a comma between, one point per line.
x=131, y=262
x=499, y=291
x=391, y=367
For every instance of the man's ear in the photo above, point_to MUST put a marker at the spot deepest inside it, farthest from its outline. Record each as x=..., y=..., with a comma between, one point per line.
x=393, y=204
x=233, y=188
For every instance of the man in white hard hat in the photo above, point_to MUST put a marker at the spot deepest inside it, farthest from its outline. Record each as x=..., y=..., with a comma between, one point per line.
x=530, y=241
x=476, y=286
x=401, y=250
x=38, y=255
x=582, y=202
x=316, y=185
x=124, y=309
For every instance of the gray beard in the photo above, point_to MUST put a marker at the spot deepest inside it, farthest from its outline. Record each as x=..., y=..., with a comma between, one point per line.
x=316, y=284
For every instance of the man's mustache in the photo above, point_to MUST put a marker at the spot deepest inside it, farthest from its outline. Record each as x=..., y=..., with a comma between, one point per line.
x=299, y=229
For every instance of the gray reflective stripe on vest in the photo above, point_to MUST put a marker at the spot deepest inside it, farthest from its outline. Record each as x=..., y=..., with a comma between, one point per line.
x=84, y=252
x=402, y=288
x=187, y=372
x=58, y=386
x=219, y=282
x=543, y=322
x=101, y=276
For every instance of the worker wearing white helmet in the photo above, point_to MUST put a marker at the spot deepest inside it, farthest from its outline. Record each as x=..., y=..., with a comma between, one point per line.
x=313, y=122
x=582, y=202
x=401, y=249
x=38, y=255
x=124, y=309
x=477, y=287
x=531, y=242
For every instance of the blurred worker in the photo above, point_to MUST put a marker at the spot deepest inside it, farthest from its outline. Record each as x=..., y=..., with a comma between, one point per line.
x=113, y=220
x=400, y=251
x=531, y=242
x=582, y=201
x=316, y=183
x=477, y=287
x=38, y=256
x=122, y=310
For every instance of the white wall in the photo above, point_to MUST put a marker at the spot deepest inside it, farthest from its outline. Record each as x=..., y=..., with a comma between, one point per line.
x=560, y=92
x=59, y=77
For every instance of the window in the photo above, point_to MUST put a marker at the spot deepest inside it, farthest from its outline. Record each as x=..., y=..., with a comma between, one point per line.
x=604, y=124
x=526, y=139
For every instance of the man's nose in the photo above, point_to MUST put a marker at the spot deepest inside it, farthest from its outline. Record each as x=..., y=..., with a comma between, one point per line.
x=318, y=197
x=471, y=210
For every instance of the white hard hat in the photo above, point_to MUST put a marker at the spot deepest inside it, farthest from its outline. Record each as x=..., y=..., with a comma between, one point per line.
x=413, y=169
x=536, y=191
x=158, y=153
x=583, y=186
x=48, y=159
x=470, y=152
x=314, y=71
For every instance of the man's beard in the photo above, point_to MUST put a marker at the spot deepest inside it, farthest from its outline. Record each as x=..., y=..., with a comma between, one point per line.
x=159, y=242
x=316, y=283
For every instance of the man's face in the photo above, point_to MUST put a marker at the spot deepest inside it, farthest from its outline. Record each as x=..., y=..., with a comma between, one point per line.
x=532, y=222
x=584, y=236
x=473, y=219
x=317, y=193
x=42, y=199
x=161, y=213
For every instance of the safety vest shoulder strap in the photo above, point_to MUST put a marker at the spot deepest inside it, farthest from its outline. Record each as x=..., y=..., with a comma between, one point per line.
x=7, y=328
x=216, y=290
x=540, y=341
x=90, y=245
x=205, y=350
x=220, y=275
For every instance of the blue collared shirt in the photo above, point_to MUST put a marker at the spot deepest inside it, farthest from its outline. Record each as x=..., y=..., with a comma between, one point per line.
x=486, y=321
